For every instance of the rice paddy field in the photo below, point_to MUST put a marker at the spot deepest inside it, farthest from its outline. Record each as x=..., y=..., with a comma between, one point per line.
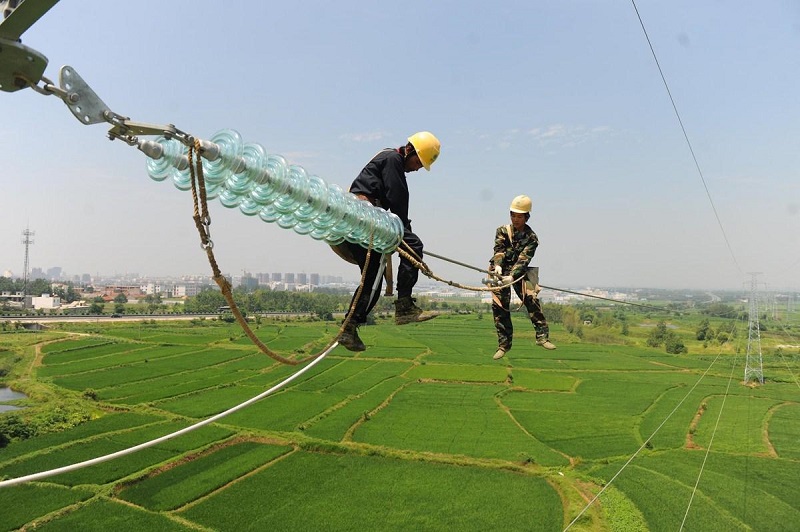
x=423, y=431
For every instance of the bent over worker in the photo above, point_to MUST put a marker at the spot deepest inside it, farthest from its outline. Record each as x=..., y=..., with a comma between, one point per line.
x=382, y=182
x=514, y=246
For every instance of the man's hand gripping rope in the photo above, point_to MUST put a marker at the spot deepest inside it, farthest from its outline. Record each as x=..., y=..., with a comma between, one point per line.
x=407, y=253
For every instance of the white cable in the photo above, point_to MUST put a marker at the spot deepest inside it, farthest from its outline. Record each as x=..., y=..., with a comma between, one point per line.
x=93, y=461
x=710, y=443
x=590, y=503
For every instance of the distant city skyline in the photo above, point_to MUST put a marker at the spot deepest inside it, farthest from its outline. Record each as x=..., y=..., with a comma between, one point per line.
x=56, y=273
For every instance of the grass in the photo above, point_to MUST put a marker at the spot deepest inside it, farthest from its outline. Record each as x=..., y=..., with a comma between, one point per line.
x=421, y=431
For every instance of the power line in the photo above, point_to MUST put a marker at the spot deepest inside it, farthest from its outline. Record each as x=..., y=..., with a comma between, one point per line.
x=686, y=136
x=652, y=307
x=645, y=443
x=710, y=443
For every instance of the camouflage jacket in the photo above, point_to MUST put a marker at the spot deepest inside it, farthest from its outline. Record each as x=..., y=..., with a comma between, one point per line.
x=513, y=254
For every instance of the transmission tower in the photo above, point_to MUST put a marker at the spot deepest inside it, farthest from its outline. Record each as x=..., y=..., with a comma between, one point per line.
x=27, y=239
x=753, y=369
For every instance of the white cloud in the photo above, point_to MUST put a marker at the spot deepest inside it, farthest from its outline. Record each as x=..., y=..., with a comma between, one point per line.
x=371, y=136
x=567, y=136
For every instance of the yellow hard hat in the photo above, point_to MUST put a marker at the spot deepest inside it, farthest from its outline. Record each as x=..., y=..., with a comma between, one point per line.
x=521, y=204
x=427, y=147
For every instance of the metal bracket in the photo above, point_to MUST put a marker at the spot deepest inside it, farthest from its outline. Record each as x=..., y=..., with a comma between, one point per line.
x=19, y=66
x=87, y=107
x=126, y=127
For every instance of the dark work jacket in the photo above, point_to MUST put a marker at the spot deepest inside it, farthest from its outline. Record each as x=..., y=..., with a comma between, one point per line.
x=383, y=179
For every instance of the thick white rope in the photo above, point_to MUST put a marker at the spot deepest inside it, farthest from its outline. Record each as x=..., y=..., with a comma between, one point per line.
x=130, y=450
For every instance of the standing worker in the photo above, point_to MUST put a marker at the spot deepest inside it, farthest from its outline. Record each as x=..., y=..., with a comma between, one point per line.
x=382, y=182
x=514, y=246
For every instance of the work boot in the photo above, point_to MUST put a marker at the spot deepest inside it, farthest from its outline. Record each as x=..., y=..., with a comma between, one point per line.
x=350, y=340
x=545, y=342
x=405, y=311
x=500, y=353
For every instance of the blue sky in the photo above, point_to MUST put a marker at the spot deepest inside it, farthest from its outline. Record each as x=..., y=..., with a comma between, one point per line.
x=558, y=100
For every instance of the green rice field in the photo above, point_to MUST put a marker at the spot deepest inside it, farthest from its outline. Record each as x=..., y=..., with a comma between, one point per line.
x=422, y=431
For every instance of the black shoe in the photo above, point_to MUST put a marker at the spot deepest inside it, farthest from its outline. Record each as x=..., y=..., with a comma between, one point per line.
x=350, y=340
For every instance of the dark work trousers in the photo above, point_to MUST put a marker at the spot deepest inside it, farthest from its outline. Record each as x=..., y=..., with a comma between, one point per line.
x=367, y=300
x=502, y=315
x=407, y=276
x=407, y=273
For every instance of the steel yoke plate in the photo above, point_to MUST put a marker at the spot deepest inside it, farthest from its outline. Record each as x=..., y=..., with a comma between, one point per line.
x=87, y=107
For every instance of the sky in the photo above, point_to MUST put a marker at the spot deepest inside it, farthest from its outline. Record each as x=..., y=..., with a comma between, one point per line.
x=559, y=100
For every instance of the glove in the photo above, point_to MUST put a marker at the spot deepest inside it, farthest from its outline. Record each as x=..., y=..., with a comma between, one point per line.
x=498, y=271
x=507, y=279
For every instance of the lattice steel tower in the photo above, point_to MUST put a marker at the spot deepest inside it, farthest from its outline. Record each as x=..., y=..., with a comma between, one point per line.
x=27, y=239
x=753, y=369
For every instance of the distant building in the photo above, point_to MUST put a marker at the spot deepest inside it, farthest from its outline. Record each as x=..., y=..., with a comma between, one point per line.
x=76, y=308
x=46, y=302
x=314, y=279
x=248, y=282
x=187, y=289
x=12, y=299
x=109, y=292
x=151, y=289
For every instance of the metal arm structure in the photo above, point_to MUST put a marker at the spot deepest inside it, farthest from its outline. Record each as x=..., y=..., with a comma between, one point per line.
x=20, y=65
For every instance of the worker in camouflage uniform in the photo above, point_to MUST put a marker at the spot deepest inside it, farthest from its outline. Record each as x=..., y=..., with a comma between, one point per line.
x=514, y=246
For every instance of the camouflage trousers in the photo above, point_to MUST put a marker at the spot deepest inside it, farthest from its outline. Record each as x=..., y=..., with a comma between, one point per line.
x=502, y=316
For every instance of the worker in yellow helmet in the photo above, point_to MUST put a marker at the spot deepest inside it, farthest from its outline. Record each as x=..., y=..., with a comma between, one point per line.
x=382, y=182
x=514, y=246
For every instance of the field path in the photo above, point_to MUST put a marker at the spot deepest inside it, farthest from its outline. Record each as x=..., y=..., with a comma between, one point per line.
x=37, y=352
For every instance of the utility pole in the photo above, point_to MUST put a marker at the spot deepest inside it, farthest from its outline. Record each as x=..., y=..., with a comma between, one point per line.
x=27, y=239
x=753, y=369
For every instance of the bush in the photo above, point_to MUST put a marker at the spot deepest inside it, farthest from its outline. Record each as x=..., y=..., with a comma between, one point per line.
x=13, y=427
x=675, y=345
x=89, y=393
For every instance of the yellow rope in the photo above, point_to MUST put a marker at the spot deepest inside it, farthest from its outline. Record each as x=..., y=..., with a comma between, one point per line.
x=202, y=220
x=414, y=259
